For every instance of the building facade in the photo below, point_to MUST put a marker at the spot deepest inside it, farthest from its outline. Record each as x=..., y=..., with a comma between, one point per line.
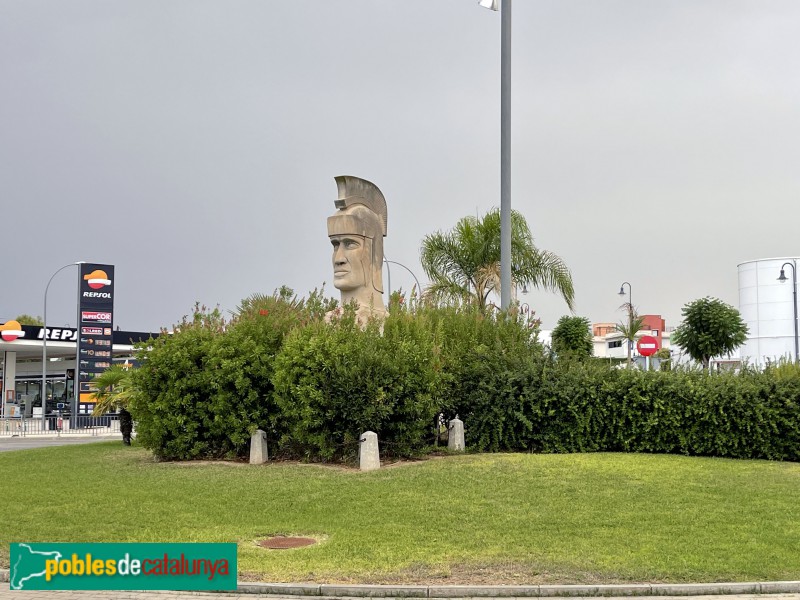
x=21, y=375
x=609, y=342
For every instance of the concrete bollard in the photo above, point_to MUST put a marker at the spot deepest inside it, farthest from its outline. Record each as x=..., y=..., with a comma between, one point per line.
x=368, y=456
x=258, y=448
x=455, y=437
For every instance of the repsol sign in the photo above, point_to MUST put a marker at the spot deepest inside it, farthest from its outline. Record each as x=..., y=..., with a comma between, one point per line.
x=58, y=334
x=97, y=295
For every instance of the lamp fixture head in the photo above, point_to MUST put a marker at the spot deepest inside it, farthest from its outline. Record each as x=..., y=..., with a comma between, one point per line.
x=492, y=4
x=782, y=277
x=621, y=290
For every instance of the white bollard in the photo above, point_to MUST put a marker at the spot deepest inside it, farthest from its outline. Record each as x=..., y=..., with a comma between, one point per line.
x=258, y=448
x=455, y=437
x=368, y=456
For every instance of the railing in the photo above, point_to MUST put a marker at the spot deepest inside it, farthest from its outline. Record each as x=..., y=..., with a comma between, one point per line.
x=57, y=425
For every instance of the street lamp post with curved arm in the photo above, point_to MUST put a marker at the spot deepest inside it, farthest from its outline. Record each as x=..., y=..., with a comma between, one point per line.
x=44, y=344
x=394, y=262
x=630, y=314
x=782, y=278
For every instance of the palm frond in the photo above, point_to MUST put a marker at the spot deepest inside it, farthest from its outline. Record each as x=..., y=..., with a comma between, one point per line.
x=631, y=327
x=466, y=260
x=112, y=389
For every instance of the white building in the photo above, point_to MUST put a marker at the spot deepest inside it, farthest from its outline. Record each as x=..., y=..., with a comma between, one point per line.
x=769, y=309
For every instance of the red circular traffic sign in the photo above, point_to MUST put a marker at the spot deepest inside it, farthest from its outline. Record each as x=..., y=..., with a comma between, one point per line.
x=647, y=345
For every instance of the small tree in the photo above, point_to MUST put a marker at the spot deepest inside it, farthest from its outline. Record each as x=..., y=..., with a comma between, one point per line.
x=26, y=319
x=113, y=391
x=710, y=328
x=665, y=357
x=572, y=337
x=630, y=328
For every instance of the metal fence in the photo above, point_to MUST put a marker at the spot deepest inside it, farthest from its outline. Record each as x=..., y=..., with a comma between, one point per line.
x=57, y=425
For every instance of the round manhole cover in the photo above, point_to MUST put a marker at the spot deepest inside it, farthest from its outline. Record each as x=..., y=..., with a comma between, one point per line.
x=284, y=543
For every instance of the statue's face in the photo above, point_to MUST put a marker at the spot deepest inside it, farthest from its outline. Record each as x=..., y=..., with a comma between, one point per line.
x=350, y=262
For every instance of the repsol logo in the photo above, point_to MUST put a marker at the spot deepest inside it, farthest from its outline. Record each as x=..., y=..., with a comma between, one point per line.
x=97, y=294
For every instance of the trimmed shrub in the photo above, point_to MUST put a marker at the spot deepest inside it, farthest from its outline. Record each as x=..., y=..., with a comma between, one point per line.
x=568, y=403
x=466, y=341
x=571, y=406
x=335, y=381
x=204, y=389
x=173, y=388
x=745, y=415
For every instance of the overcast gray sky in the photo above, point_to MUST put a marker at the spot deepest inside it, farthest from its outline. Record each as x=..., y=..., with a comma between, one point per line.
x=193, y=143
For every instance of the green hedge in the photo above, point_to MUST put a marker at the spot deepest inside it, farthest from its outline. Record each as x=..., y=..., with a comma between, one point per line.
x=585, y=407
x=315, y=387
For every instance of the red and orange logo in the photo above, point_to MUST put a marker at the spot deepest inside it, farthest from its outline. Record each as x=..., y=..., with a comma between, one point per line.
x=97, y=279
x=11, y=331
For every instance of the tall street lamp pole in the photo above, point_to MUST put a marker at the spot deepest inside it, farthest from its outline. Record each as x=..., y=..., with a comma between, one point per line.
x=782, y=278
x=505, y=148
x=630, y=314
x=44, y=345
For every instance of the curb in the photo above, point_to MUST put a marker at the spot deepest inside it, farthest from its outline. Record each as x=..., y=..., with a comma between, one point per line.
x=519, y=591
x=510, y=591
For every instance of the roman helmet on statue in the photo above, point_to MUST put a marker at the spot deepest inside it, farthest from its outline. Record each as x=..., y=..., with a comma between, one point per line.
x=362, y=212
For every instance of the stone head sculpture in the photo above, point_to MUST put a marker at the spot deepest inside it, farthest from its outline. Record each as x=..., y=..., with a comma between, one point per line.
x=356, y=232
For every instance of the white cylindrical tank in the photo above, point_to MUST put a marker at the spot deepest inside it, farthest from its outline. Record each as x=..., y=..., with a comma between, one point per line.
x=766, y=306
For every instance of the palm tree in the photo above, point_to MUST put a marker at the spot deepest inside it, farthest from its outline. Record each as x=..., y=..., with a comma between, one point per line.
x=630, y=328
x=113, y=391
x=464, y=264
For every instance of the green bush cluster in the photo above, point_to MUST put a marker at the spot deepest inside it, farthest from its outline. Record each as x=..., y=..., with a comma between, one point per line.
x=202, y=389
x=314, y=387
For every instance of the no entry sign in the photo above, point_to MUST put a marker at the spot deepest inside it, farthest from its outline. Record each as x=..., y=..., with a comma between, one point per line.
x=647, y=345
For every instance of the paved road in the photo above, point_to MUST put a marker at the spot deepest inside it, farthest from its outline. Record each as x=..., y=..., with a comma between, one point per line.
x=24, y=443
x=6, y=594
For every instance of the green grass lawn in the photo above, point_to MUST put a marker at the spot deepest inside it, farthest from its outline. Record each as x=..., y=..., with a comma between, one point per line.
x=503, y=518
